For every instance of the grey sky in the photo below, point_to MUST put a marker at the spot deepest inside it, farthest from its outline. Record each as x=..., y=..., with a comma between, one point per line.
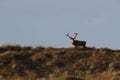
x=45, y=22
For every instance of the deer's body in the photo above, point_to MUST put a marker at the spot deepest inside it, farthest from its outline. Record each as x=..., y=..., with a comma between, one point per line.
x=76, y=43
x=79, y=43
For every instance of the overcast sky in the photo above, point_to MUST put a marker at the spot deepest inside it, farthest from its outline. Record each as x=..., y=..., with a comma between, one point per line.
x=45, y=22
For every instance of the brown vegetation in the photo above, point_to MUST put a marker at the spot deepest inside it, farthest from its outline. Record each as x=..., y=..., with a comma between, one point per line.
x=40, y=63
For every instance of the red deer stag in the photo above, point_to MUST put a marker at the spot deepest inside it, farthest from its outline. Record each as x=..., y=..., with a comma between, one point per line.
x=76, y=43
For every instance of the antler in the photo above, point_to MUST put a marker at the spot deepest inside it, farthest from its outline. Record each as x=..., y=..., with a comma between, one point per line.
x=75, y=35
x=68, y=35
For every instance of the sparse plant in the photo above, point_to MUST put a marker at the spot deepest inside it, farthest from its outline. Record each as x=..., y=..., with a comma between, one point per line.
x=59, y=63
x=38, y=49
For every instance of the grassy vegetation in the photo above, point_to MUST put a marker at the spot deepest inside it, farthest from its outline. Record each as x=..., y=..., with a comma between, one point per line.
x=48, y=63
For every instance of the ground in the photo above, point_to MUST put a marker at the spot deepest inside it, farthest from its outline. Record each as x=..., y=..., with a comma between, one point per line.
x=48, y=63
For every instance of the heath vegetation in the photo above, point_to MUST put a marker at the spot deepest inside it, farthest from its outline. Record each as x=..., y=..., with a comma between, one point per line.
x=48, y=63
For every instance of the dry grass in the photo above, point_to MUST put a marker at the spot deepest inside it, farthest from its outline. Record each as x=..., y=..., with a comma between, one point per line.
x=40, y=63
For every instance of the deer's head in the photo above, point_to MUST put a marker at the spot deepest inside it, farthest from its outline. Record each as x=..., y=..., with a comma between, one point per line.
x=72, y=38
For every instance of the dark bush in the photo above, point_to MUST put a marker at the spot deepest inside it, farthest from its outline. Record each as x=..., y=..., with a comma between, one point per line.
x=59, y=64
x=27, y=48
x=73, y=78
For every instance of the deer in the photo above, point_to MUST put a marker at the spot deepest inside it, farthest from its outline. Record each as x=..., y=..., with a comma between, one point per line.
x=76, y=43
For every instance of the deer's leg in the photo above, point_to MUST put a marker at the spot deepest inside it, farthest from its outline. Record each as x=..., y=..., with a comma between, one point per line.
x=84, y=46
x=76, y=46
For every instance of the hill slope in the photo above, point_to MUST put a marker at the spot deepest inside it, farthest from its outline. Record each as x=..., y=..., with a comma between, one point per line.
x=40, y=63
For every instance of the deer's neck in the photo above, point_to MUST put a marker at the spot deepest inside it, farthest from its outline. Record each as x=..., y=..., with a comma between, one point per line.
x=71, y=40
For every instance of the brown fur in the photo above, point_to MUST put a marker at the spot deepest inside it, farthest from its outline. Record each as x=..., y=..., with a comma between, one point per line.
x=77, y=43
